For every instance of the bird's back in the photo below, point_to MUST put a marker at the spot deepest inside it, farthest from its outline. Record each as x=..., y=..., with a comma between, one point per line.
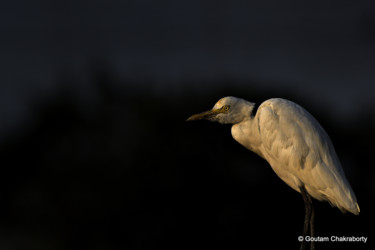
x=301, y=153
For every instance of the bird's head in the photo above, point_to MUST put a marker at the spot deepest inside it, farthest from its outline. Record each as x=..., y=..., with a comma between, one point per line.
x=228, y=110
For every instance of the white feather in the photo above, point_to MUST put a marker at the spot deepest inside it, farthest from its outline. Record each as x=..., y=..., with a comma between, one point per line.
x=295, y=145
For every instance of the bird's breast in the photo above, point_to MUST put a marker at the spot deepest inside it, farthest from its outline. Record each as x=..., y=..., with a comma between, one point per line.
x=248, y=136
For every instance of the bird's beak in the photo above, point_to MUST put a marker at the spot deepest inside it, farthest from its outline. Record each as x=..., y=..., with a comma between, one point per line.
x=204, y=115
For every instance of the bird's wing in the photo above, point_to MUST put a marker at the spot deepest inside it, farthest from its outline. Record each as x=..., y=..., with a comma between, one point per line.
x=300, y=152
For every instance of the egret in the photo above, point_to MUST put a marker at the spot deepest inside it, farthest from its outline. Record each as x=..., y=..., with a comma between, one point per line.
x=296, y=146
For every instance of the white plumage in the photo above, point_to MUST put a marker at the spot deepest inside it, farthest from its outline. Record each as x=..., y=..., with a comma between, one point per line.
x=293, y=143
x=299, y=151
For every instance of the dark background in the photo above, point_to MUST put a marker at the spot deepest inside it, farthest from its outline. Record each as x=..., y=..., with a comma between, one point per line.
x=95, y=151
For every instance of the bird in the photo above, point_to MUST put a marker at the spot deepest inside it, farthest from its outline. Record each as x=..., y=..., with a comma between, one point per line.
x=296, y=147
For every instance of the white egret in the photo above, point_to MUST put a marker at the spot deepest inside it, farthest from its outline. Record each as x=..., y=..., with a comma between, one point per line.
x=296, y=146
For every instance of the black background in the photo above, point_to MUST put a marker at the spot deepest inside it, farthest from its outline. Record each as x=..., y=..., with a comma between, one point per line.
x=95, y=149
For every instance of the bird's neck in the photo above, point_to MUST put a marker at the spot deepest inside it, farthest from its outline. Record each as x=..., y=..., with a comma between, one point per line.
x=247, y=134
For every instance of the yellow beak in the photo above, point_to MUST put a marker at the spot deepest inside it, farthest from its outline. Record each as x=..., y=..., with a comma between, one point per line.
x=204, y=115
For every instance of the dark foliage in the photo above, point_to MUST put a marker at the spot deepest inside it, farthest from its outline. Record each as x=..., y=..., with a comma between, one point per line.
x=125, y=171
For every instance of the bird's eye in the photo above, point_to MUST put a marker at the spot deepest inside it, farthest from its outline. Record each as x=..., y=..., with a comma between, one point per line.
x=226, y=107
